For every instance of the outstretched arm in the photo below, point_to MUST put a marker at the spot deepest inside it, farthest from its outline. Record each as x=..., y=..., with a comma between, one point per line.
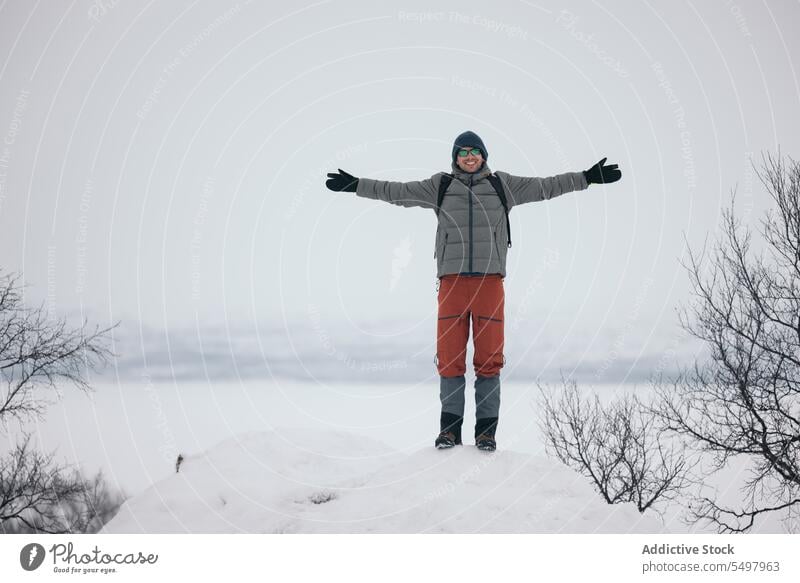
x=422, y=193
x=531, y=189
x=524, y=189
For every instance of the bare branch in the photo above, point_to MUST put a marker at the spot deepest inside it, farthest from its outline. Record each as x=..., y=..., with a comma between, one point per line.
x=39, y=355
x=614, y=446
x=745, y=400
x=38, y=495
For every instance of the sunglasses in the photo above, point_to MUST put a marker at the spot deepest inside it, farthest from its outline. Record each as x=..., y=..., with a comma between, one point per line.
x=464, y=153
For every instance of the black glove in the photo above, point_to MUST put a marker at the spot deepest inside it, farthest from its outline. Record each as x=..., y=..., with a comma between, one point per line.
x=341, y=181
x=599, y=174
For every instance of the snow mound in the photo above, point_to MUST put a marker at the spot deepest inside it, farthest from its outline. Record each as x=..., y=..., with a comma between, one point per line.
x=293, y=481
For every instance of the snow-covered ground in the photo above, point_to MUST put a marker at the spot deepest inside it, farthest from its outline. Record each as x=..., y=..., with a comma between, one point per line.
x=259, y=454
x=291, y=481
x=134, y=431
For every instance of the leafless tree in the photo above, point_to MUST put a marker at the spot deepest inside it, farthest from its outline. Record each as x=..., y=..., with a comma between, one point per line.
x=38, y=354
x=744, y=399
x=616, y=446
x=38, y=357
x=39, y=495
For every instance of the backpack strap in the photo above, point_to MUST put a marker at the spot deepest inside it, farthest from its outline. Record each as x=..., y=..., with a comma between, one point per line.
x=444, y=184
x=497, y=184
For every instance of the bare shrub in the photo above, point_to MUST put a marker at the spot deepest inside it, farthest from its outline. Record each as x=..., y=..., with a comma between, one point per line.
x=39, y=495
x=616, y=446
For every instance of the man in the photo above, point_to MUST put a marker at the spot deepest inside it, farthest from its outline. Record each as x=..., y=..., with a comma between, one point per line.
x=472, y=240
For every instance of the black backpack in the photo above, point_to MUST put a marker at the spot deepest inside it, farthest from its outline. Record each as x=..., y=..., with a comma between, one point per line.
x=496, y=183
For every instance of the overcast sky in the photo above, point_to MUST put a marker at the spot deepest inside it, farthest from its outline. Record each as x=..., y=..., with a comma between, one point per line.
x=164, y=163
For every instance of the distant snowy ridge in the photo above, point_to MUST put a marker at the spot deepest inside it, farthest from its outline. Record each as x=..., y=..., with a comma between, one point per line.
x=298, y=481
x=334, y=351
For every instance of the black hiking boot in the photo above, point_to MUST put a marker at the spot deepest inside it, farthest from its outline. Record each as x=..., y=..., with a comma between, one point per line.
x=450, y=434
x=484, y=433
x=446, y=440
x=485, y=442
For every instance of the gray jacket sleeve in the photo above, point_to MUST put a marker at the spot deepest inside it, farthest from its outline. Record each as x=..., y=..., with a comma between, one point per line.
x=422, y=193
x=522, y=189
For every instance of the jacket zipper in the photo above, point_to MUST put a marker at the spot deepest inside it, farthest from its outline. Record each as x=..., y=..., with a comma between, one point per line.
x=469, y=194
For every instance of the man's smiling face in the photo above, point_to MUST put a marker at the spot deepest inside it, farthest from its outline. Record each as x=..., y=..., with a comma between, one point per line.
x=472, y=162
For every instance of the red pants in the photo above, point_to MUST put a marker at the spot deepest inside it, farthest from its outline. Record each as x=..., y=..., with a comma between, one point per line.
x=482, y=299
